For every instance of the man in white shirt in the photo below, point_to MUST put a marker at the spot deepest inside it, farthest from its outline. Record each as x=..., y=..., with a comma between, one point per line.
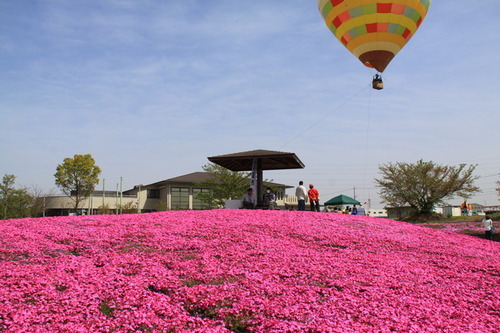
x=301, y=194
x=488, y=227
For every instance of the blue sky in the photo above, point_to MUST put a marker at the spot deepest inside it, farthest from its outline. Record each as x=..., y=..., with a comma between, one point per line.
x=152, y=88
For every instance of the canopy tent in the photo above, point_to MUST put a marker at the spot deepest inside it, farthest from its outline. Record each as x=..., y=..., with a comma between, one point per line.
x=342, y=200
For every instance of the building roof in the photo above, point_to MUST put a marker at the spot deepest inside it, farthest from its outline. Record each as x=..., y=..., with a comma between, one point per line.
x=187, y=178
x=190, y=178
x=268, y=159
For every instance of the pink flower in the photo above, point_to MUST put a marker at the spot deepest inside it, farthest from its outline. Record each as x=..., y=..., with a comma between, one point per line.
x=230, y=270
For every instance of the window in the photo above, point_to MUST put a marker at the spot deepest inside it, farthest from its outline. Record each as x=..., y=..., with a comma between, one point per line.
x=197, y=203
x=154, y=193
x=180, y=198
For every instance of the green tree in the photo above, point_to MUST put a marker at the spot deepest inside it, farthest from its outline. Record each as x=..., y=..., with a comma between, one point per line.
x=77, y=177
x=423, y=185
x=14, y=202
x=21, y=204
x=223, y=183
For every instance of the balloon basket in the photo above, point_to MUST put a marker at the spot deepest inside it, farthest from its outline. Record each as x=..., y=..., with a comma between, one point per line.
x=377, y=82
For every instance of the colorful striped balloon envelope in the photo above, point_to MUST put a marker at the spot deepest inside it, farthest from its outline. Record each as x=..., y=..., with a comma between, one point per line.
x=374, y=30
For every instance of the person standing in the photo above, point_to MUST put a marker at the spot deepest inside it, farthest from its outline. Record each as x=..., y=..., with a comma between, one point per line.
x=488, y=227
x=313, y=195
x=466, y=208
x=301, y=194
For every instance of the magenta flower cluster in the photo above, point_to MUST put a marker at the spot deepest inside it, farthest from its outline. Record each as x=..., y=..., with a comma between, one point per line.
x=244, y=271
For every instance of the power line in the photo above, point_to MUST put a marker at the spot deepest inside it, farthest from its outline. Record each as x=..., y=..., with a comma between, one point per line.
x=325, y=116
x=494, y=175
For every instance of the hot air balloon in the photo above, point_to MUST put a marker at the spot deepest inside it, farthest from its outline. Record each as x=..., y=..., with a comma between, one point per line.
x=374, y=30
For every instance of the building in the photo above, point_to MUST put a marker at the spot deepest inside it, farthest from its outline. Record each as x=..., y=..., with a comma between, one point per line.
x=377, y=213
x=449, y=211
x=107, y=202
x=178, y=193
x=491, y=209
x=476, y=209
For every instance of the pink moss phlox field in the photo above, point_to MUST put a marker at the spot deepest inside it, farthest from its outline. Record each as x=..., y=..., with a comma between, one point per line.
x=244, y=271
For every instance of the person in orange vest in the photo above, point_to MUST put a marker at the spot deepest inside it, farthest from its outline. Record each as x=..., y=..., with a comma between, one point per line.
x=466, y=208
x=313, y=195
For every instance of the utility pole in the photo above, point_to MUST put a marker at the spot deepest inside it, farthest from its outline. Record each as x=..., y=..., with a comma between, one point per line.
x=354, y=189
x=116, y=199
x=121, y=195
x=103, y=189
x=139, y=199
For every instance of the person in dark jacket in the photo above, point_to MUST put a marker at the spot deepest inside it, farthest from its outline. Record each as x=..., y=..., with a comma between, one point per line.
x=270, y=199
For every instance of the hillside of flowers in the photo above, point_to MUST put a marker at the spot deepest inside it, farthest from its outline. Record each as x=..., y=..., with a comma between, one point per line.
x=244, y=271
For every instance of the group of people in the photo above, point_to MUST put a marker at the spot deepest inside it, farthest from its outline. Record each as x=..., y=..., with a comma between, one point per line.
x=466, y=210
x=269, y=198
x=347, y=210
x=312, y=195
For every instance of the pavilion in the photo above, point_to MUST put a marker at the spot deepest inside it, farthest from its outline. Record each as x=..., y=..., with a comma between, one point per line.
x=257, y=161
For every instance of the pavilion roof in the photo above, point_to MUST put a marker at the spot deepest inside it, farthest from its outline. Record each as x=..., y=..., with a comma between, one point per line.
x=268, y=160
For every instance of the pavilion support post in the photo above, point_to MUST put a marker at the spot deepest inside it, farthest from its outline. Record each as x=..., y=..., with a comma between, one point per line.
x=253, y=180
x=256, y=180
x=260, y=198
